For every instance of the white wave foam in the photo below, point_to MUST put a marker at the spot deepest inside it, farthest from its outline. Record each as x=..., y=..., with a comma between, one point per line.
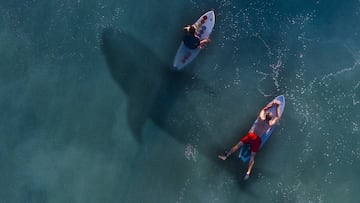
x=187, y=183
x=191, y=153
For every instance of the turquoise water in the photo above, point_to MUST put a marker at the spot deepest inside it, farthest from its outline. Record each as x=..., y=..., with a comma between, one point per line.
x=91, y=112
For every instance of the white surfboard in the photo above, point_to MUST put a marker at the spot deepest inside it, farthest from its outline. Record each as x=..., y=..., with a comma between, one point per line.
x=204, y=26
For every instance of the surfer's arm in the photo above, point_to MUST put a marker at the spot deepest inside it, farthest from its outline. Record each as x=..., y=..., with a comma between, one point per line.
x=263, y=111
x=278, y=109
x=276, y=119
x=276, y=102
x=262, y=114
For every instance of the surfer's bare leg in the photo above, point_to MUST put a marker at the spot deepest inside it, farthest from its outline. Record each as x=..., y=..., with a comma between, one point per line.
x=251, y=164
x=233, y=149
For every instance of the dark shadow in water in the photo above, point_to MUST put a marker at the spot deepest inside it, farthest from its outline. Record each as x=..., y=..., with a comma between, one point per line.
x=157, y=92
x=237, y=169
x=154, y=90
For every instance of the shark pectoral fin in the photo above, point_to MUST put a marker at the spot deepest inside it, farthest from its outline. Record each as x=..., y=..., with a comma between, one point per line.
x=204, y=87
x=137, y=114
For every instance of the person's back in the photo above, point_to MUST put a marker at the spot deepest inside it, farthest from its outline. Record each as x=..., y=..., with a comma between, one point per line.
x=260, y=127
x=190, y=39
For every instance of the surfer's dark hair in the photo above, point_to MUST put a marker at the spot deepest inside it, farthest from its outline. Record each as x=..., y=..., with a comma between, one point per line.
x=268, y=116
x=192, y=29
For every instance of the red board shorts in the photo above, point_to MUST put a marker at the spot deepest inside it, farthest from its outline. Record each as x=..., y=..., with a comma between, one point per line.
x=253, y=140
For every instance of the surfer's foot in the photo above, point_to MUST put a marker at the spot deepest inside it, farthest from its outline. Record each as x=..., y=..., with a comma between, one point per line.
x=247, y=176
x=222, y=157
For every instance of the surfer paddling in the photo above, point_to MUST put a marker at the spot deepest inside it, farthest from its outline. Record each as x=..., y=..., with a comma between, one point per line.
x=192, y=40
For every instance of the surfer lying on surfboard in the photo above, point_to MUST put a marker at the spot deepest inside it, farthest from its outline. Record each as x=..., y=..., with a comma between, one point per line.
x=191, y=39
x=263, y=124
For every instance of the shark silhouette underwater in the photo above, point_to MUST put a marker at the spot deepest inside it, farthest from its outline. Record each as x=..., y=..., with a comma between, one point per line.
x=154, y=90
x=159, y=93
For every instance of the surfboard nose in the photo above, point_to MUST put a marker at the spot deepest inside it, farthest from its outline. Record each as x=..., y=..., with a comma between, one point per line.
x=281, y=98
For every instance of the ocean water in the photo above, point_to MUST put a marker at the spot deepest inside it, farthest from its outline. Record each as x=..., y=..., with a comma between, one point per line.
x=92, y=112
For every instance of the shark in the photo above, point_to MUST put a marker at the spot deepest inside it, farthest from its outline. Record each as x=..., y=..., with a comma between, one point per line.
x=155, y=91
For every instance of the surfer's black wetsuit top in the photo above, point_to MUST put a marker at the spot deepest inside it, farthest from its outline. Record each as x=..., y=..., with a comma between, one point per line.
x=191, y=41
